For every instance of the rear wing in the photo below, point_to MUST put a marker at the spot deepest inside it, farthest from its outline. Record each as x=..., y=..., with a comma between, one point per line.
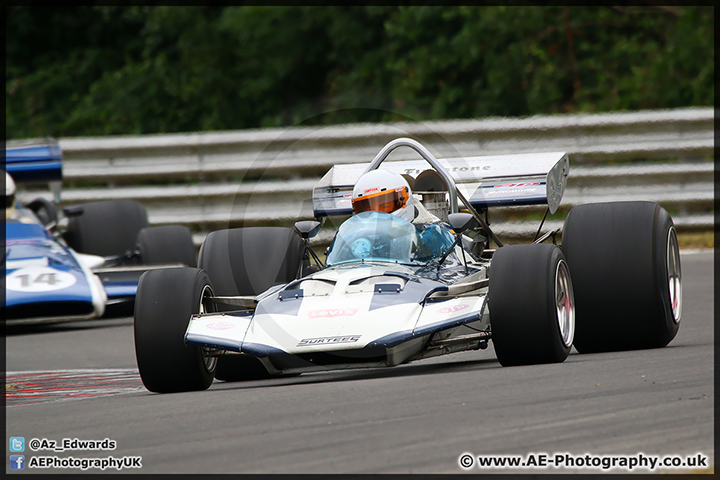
x=485, y=181
x=35, y=161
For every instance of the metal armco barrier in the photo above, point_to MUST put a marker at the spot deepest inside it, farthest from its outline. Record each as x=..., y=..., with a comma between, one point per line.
x=265, y=177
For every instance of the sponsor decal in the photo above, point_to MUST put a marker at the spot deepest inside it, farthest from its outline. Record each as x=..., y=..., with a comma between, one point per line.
x=453, y=308
x=220, y=325
x=371, y=190
x=512, y=188
x=332, y=312
x=40, y=279
x=475, y=168
x=344, y=199
x=306, y=342
x=517, y=185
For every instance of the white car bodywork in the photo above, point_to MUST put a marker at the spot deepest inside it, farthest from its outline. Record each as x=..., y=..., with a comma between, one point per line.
x=370, y=310
x=380, y=313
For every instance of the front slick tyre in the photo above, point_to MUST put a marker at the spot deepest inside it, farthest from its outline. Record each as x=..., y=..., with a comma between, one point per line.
x=532, y=310
x=625, y=265
x=165, y=300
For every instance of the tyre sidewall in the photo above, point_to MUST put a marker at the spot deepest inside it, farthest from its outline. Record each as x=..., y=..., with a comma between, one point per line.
x=667, y=326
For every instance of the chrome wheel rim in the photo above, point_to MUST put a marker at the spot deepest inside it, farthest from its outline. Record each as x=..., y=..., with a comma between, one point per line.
x=674, y=277
x=564, y=303
x=209, y=361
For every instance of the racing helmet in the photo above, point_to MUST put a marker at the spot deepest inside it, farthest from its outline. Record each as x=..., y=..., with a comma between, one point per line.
x=384, y=191
x=9, y=191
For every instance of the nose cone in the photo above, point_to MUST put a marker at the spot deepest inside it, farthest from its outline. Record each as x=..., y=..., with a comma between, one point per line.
x=326, y=323
x=46, y=292
x=44, y=281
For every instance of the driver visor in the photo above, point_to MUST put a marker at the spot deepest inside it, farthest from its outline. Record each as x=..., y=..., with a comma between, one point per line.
x=386, y=201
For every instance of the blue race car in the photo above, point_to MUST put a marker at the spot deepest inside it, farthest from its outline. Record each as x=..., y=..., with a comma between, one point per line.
x=74, y=264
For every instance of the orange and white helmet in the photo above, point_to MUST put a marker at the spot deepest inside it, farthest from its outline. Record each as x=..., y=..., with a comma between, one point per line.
x=384, y=191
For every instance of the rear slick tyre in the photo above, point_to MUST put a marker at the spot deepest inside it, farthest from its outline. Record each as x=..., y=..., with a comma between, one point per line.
x=106, y=228
x=240, y=368
x=248, y=261
x=166, y=298
x=532, y=313
x=625, y=264
x=166, y=244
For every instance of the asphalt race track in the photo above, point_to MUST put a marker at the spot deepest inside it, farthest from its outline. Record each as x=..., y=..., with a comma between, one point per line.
x=79, y=381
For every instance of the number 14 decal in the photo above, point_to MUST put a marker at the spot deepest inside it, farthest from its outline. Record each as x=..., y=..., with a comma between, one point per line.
x=50, y=278
x=39, y=279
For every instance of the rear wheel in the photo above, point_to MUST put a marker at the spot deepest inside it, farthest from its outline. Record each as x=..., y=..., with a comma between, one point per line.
x=106, y=228
x=165, y=300
x=532, y=311
x=166, y=244
x=625, y=264
x=238, y=368
x=248, y=261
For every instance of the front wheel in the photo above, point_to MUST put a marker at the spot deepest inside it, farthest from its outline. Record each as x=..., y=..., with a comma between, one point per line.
x=165, y=300
x=531, y=303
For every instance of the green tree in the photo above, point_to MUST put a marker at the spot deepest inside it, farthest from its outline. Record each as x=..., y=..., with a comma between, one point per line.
x=97, y=70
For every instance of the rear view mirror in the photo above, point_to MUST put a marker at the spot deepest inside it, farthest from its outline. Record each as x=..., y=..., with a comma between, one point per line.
x=73, y=211
x=462, y=221
x=307, y=228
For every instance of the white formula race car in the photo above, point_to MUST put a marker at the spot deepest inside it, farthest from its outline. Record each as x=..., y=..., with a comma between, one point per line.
x=263, y=304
